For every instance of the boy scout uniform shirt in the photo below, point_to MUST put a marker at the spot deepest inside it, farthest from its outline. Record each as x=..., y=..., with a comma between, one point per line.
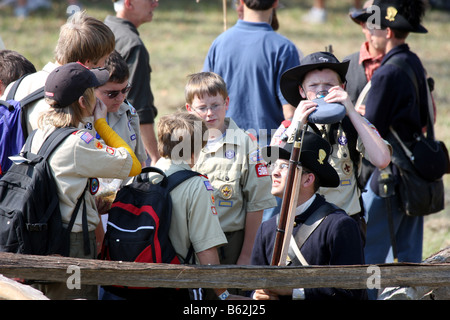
x=125, y=122
x=346, y=195
x=74, y=163
x=241, y=182
x=194, y=216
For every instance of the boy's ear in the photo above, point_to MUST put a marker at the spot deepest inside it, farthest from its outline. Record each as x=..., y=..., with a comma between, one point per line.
x=82, y=102
x=227, y=102
x=188, y=108
x=302, y=92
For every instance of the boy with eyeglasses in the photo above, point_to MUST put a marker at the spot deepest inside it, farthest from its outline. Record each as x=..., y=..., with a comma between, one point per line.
x=336, y=239
x=232, y=162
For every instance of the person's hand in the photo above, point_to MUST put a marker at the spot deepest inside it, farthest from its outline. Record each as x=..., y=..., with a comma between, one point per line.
x=103, y=206
x=271, y=294
x=302, y=112
x=338, y=95
x=237, y=297
x=100, y=110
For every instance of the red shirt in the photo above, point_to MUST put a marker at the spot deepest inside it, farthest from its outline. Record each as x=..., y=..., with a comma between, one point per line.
x=370, y=63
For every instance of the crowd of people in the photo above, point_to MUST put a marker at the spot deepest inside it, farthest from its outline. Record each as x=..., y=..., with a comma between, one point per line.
x=253, y=94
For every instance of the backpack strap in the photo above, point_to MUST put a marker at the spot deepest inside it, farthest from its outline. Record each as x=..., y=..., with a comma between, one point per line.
x=54, y=140
x=13, y=90
x=173, y=181
x=34, y=96
x=49, y=145
x=178, y=177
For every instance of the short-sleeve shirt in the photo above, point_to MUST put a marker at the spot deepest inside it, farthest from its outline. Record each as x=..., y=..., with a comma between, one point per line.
x=251, y=57
x=194, y=215
x=125, y=122
x=74, y=163
x=240, y=180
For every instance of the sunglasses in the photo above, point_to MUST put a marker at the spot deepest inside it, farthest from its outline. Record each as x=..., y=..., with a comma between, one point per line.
x=113, y=94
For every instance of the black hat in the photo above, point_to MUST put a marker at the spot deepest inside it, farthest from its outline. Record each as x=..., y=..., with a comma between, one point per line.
x=403, y=15
x=68, y=82
x=361, y=16
x=293, y=78
x=314, y=156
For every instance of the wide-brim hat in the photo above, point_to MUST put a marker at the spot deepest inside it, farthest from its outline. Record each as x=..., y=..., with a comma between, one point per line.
x=67, y=83
x=314, y=156
x=392, y=15
x=293, y=78
x=359, y=16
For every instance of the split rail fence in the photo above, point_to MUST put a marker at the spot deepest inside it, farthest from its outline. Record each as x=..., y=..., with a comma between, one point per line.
x=98, y=272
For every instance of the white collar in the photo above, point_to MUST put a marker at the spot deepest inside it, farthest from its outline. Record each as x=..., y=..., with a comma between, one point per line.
x=305, y=205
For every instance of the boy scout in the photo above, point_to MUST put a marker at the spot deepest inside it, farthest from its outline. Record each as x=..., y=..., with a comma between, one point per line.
x=352, y=138
x=194, y=215
x=69, y=90
x=231, y=160
x=122, y=116
x=82, y=38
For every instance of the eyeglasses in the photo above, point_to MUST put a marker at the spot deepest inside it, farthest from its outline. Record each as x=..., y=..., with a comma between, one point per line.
x=282, y=166
x=204, y=110
x=113, y=94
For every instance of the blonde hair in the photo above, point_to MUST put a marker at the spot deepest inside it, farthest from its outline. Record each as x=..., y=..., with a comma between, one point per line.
x=84, y=38
x=204, y=83
x=180, y=135
x=69, y=116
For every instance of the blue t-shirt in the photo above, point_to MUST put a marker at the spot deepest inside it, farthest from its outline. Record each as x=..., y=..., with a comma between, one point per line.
x=251, y=57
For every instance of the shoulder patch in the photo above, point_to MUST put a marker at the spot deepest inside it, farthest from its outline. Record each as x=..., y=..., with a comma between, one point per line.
x=87, y=137
x=208, y=185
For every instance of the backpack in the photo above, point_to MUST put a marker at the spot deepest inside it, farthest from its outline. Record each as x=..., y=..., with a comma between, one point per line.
x=30, y=216
x=13, y=126
x=138, y=228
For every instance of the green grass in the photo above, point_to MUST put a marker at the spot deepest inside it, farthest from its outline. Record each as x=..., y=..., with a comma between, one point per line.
x=182, y=31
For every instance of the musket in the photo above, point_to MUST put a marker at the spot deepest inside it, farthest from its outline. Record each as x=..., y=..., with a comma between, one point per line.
x=289, y=201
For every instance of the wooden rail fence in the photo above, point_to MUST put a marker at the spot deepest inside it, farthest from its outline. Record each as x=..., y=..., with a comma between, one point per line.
x=97, y=272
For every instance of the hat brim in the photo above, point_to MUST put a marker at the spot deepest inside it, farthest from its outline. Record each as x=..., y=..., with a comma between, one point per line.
x=359, y=16
x=327, y=175
x=292, y=78
x=101, y=75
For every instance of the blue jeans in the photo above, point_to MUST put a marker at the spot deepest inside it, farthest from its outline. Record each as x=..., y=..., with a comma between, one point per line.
x=269, y=213
x=408, y=231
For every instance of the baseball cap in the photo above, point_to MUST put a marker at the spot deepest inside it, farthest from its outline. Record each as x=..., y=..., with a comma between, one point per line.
x=68, y=82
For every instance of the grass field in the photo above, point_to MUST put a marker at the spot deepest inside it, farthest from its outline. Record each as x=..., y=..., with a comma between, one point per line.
x=182, y=31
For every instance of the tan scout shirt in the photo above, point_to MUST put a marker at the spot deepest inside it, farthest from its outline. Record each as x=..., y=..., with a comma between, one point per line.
x=346, y=195
x=125, y=122
x=241, y=182
x=81, y=157
x=194, y=216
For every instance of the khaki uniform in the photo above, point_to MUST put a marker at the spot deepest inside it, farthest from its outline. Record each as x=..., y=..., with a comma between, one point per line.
x=125, y=122
x=78, y=159
x=241, y=182
x=194, y=216
x=347, y=194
